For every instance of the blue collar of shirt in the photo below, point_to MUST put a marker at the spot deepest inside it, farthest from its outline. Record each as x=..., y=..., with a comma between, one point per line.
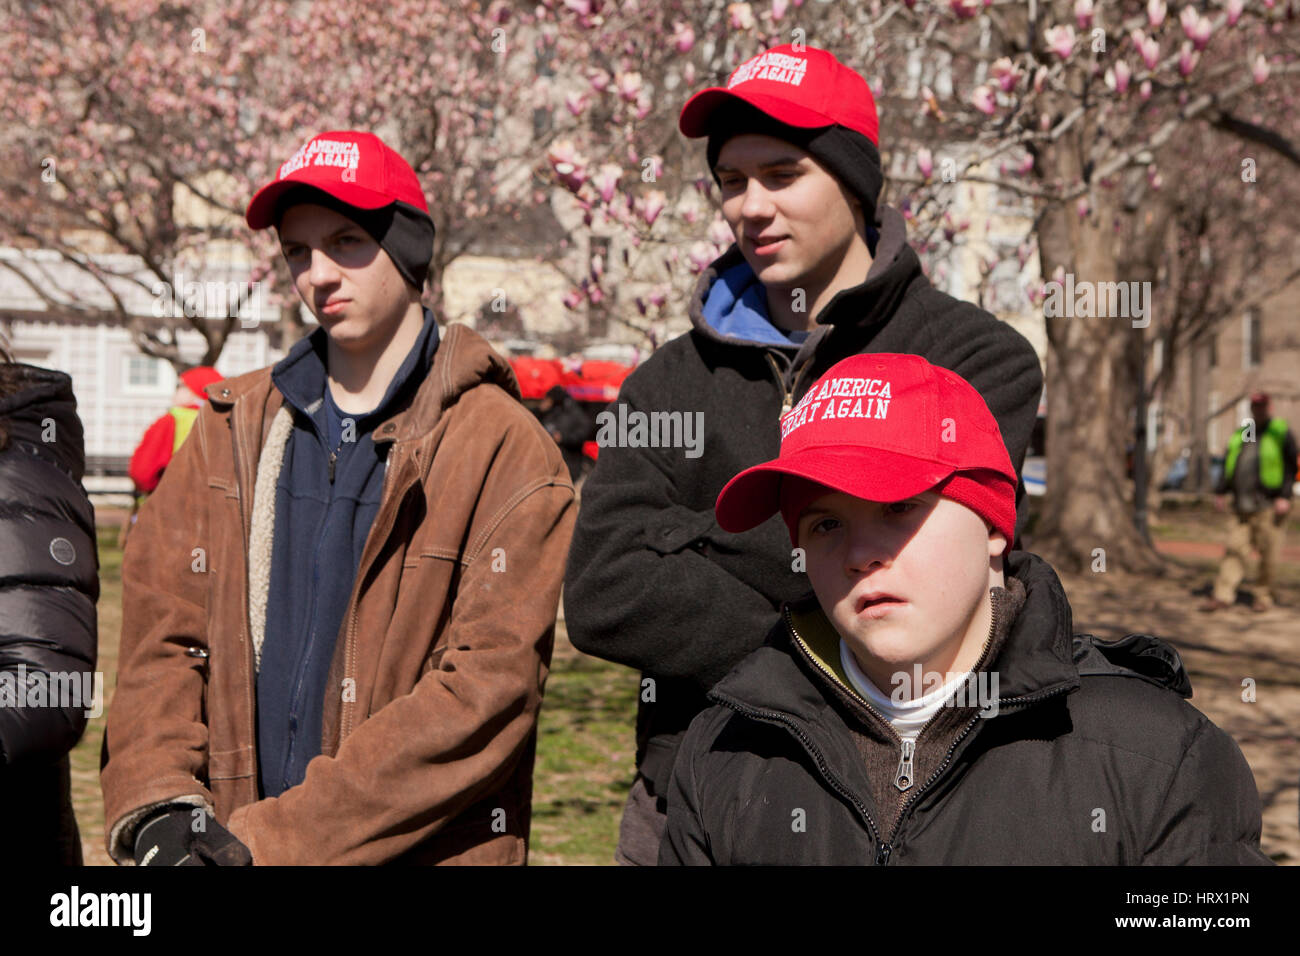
x=301, y=375
x=736, y=307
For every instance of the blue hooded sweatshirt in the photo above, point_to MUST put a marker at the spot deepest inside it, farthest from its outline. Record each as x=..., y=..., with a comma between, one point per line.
x=321, y=525
x=736, y=307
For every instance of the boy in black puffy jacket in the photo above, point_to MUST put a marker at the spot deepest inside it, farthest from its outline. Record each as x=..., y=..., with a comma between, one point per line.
x=930, y=704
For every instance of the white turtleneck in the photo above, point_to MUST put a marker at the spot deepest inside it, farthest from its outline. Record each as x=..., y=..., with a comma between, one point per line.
x=907, y=716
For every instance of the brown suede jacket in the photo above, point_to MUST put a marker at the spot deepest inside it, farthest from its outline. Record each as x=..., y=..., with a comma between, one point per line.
x=440, y=662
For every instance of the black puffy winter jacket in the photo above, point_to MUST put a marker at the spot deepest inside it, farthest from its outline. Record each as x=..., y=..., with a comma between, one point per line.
x=1090, y=757
x=49, y=583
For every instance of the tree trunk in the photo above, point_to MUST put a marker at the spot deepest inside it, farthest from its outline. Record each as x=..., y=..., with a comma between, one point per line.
x=1087, y=518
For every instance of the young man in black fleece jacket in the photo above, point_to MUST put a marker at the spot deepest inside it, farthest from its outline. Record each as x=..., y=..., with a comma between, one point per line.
x=818, y=272
x=930, y=704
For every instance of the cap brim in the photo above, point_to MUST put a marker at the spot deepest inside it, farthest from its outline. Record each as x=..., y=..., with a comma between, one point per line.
x=699, y=111
x=754, y=495
x=261, y=211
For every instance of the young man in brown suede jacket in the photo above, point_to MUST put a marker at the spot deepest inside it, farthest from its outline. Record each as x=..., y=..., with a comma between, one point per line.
x=339, y=604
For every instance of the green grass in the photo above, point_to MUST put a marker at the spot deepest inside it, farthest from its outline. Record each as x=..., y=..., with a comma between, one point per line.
x=585, y=744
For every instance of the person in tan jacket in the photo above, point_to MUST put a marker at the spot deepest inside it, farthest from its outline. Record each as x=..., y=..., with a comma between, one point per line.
x=339, y=604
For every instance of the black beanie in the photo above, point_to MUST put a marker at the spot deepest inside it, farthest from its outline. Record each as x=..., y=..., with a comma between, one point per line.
x=847, y=154
x=402, y=231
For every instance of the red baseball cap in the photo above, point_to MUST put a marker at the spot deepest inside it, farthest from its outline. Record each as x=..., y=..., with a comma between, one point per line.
x=804, y=87
x=200, y=377
x=354, y=167
x=884, y=427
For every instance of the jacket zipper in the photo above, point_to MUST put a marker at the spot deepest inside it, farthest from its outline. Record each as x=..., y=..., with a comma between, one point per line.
x=903, y=778
x=902, y=813
x=787, y=393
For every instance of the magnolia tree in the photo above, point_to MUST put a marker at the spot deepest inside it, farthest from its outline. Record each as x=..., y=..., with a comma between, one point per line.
x=1085, y=107
x=143, y=128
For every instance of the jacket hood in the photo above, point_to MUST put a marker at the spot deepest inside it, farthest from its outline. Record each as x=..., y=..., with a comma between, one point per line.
x=1040, y=656
x=894, y=267
x=463, y=360
x=35, y=395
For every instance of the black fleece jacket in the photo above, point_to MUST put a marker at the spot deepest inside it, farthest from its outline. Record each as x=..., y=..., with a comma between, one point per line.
x=1091, y=757
x=652, y=581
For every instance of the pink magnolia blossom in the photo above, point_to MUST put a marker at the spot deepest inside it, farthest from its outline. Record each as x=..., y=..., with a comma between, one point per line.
x=1197, y=27
x=964, y=9
x=628, y=86
x=1025, y=165
x=1259, y=69
x=741, y=16
x=573, y=299
x=1148, y=48
x=1083, y=207
x=1083, y=13
x=701, y=254
x=1154, y=179
x=652, y=205
x=576, y=103
x=1234, y=11
x=683, y=37
x=1061, y=40
x=1144, y=90
x=1040, y=79
x=720, y=233
x=599, y=80
x=606, y=180
x=779, y=8
x=984, y=99
x=925, y=162
x=568, y=163
x=1156, y=10
x=1117, y=77
x=1006, y=73
x=1187, y=60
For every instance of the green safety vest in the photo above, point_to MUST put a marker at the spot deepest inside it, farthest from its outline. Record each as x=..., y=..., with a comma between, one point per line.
x=185, y=418
x=1270, y=453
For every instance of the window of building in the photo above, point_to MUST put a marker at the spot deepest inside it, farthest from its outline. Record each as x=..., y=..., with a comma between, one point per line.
x=1251, y=339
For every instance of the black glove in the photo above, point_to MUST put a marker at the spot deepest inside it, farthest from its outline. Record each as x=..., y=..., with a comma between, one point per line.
x=176, y=837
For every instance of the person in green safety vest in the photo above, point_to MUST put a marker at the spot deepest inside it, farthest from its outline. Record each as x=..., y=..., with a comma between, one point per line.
x=1259, y=470
x=167, y=433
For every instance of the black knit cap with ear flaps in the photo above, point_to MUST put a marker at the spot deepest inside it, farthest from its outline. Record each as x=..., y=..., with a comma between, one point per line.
x=847, y=154
x=401, y=230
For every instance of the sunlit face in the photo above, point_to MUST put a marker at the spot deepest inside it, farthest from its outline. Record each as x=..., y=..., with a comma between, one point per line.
x=903, y=583
x=347, y=281
x=794, y=222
